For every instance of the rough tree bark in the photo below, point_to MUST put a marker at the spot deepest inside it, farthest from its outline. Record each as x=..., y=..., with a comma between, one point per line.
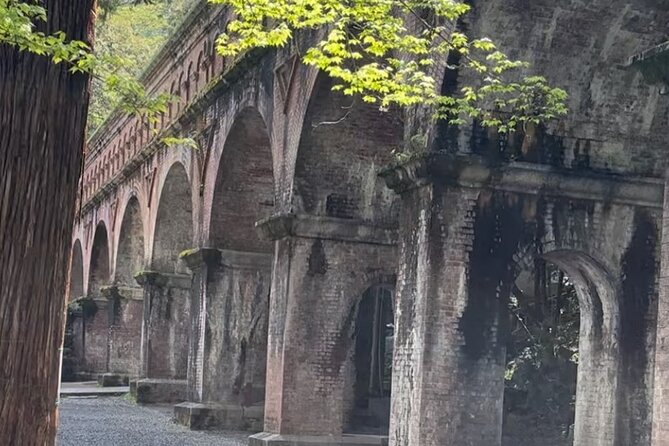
x=42, y=120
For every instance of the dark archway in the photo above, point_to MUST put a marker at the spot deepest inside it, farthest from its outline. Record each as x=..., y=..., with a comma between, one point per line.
x=76, y=273
x=174, y=222
x=73, y=343
x=372, y=360
x=573, y=357
x=127, y=299
x=96, y=323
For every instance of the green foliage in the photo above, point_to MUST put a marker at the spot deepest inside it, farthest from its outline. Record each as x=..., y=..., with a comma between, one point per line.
x=542, y=351
x=386, y=52
x=114, y=75
x=129, y=37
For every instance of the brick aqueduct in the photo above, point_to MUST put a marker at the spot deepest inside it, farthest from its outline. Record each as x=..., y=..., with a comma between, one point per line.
x=248, y=281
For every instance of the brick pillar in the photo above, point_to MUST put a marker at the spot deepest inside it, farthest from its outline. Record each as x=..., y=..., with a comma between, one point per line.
x=124, y=315
x=228, y=346
x=449, y=357
x=199, y=261
x=164, y=339
x=321, y=268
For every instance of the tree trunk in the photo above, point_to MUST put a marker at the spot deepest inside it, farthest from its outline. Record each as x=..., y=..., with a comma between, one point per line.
x=42, y=119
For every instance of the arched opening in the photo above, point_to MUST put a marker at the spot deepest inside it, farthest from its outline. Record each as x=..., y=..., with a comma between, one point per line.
x=73, y=343
x=96, y=323
x=125, y=314
x=238, y=286
x=130, y=254
x=562, y=354
x=372, y=360
x=76, y=273
x=174, y=222
x=166, y=325
x=343, y=146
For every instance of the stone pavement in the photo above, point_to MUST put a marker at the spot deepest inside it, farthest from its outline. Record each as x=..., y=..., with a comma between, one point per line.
x=115, y=421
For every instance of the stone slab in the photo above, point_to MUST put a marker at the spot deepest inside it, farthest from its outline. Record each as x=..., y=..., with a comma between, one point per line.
x=266, y=438
x=202, y=416
x=151, y=391
x=112, y=380
x=90, y=388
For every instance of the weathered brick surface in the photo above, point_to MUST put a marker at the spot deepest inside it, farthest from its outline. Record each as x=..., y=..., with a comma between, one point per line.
x=267, y=145
x=460, y=250
x=312, y=314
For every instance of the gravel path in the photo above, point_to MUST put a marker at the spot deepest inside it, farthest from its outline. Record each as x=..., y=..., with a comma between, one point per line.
x=115, y=421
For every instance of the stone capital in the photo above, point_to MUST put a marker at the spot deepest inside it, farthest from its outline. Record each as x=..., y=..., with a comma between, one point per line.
x=196, y=258
x=151, y=278
x=276, y=226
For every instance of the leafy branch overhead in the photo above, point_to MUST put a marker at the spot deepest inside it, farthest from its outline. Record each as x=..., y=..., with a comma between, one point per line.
x=387, y=52
x=19, y=27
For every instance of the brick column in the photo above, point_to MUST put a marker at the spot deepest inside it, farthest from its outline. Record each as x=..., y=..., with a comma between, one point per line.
x=227, y=358
x=449, y=357
x=164, y=339
x=321, y=268
x=124, y=315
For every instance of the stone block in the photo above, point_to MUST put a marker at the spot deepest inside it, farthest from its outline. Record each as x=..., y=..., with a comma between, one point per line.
x=266, y=438
x=112, y=380
x=150, y=390
x=202, y=416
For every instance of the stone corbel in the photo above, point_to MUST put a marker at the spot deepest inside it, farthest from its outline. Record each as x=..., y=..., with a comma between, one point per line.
x=152, y=278
x=197, y=257
x=276, y=227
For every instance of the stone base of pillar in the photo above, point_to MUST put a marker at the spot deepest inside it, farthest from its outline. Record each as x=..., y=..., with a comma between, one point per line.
x=152, y=390
x=112, y=380
x=201, y=416
x=266, y=439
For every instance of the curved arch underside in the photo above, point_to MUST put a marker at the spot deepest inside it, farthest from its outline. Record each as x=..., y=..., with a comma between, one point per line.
x=244, y=190
x=174, y=222
x=76, y=273
x=342, y=147
x=130, y=254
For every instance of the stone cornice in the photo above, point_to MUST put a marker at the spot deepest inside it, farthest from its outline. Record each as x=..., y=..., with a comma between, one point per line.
x=526, y=178
x=280, y=226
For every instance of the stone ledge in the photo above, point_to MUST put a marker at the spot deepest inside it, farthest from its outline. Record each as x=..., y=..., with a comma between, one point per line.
x=150, y=390
x=471, y=171
x=201, y=416
x=280, y=226
x=112, y=380
x=266, y=438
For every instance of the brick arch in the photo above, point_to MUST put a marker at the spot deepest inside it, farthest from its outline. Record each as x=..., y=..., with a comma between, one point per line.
x=243, y=186
x=614, y=281
x=130, y=248
x=173, y=228
x=343, y=144
x=76, y=288
x=99, y=271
